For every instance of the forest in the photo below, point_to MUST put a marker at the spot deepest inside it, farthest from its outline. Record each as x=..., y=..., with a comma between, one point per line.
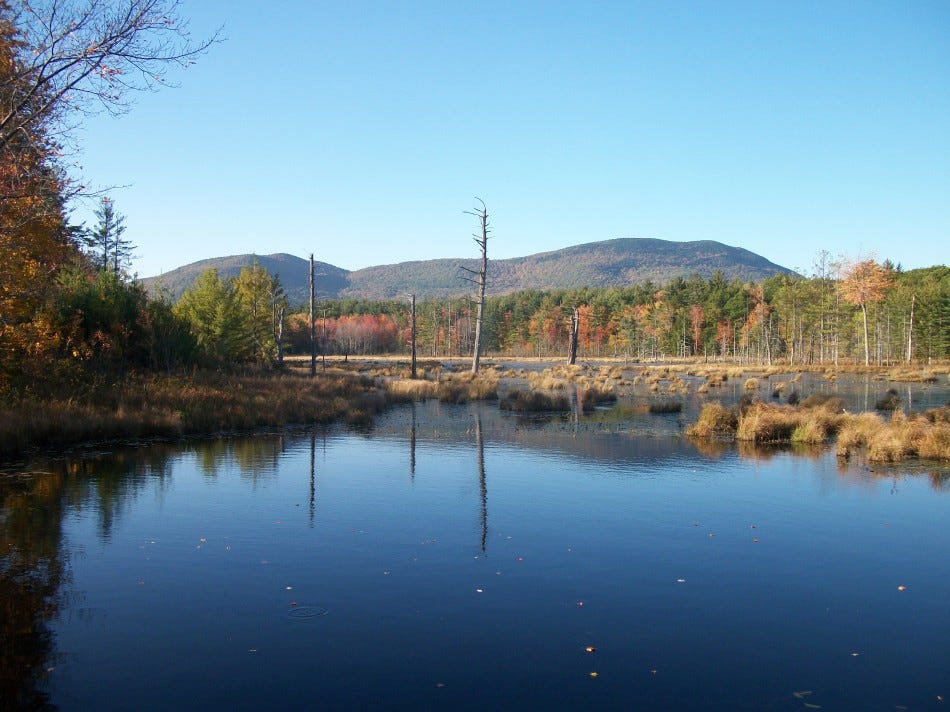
x=848, y=313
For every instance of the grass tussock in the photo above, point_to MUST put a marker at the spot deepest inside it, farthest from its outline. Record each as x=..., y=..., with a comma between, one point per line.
x=751, y=384
x=409, y=390
x=450, y=388
x=715, y=420
x=763, y=423
x=911, y=375
x=898, y=438
x=823, y=401
x=465, y=387
x=534, y=402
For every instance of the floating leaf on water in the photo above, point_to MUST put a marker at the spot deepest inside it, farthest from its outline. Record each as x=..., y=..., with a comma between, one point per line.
x=812, y=707
x=854, y=655
x=595, y=674
x=590, y=649
x=802, y=694
x=680, y=580
x=479, y=590
x=902, y=588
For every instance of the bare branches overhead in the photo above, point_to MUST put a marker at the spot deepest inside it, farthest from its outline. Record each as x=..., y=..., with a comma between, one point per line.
x=88, y=55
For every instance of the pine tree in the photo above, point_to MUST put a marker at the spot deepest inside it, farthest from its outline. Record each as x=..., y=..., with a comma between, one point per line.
x=107, y=248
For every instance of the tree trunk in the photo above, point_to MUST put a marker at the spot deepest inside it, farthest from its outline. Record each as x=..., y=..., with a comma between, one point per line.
x=480, y=280
x=412, y=335
x=313, y=330
x=572, y=349
x=867, y=352
x=910, y=330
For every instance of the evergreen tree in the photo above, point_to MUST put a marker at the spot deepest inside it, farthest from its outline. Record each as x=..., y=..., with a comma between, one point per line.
x=105, y=244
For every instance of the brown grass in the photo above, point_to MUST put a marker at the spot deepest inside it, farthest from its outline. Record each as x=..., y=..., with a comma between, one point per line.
x=202, y=403
x=763, y=423
x=714, y=420
x=534, y=402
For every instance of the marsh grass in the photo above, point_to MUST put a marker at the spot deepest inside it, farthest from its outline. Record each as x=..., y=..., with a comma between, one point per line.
x=715, y=420
x=204, y=402
x=534, y=402
x=897, y=438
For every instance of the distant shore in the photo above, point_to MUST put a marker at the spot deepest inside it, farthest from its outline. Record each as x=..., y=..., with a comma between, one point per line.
x=346, y=390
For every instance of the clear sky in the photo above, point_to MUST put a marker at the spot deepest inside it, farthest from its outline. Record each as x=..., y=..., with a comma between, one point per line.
x=362, y=131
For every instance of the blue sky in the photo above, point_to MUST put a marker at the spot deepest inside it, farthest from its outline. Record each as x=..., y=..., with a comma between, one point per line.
x=361, y=131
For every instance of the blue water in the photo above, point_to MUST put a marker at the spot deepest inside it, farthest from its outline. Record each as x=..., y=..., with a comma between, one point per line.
x=471, y=566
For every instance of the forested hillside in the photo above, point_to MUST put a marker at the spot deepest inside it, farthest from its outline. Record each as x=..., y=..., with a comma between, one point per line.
x=610, y=263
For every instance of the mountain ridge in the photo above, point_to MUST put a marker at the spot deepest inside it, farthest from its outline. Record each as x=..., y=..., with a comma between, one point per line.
x=606, y=263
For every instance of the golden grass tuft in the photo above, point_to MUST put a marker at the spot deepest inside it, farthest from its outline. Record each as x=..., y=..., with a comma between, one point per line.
x=714, y=420
x=763, y=423
x=856, y=432
x=751, y=384
x=534, y=402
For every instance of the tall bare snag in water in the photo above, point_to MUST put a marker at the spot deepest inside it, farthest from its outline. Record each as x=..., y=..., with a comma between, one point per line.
x=479, y=278
x=575, y=325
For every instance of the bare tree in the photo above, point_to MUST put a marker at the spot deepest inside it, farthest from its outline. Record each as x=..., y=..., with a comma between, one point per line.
x=572, y=347
x=412, y=334
x=479, y=278
x=87, y=55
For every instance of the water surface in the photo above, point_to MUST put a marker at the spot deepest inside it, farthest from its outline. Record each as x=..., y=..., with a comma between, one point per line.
x=459, y=558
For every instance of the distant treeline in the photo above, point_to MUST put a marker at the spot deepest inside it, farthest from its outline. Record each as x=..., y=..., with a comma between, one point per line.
x=796, y=320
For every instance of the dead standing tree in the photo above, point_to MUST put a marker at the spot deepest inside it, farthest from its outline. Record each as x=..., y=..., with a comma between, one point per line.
x=572, y=349
x=479, y=278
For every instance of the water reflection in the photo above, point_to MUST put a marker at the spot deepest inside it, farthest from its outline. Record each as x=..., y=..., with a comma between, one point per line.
x=632, y=478
x=482, y=488
x=313, y=477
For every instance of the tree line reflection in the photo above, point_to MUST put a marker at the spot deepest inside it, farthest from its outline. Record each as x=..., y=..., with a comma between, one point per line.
x=35, y=501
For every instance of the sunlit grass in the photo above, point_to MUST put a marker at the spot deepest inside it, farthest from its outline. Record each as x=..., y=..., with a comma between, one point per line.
x=200, y=403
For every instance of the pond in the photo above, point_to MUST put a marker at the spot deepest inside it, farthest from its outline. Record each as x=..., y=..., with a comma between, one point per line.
x=457, y=557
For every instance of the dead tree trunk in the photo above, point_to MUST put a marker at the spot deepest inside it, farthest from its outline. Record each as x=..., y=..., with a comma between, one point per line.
x=572, y=349
x=313, y=330
x=910, y=330
x=479, y=279
x=412, y=334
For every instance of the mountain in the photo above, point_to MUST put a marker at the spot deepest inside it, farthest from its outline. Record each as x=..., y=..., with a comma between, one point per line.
x=610, y=263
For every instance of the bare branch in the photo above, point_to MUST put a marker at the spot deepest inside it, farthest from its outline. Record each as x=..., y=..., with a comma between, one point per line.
x=88, y=55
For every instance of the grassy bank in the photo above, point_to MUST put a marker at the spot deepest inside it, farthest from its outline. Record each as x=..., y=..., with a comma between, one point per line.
x=819, y=420
x=199, y=403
